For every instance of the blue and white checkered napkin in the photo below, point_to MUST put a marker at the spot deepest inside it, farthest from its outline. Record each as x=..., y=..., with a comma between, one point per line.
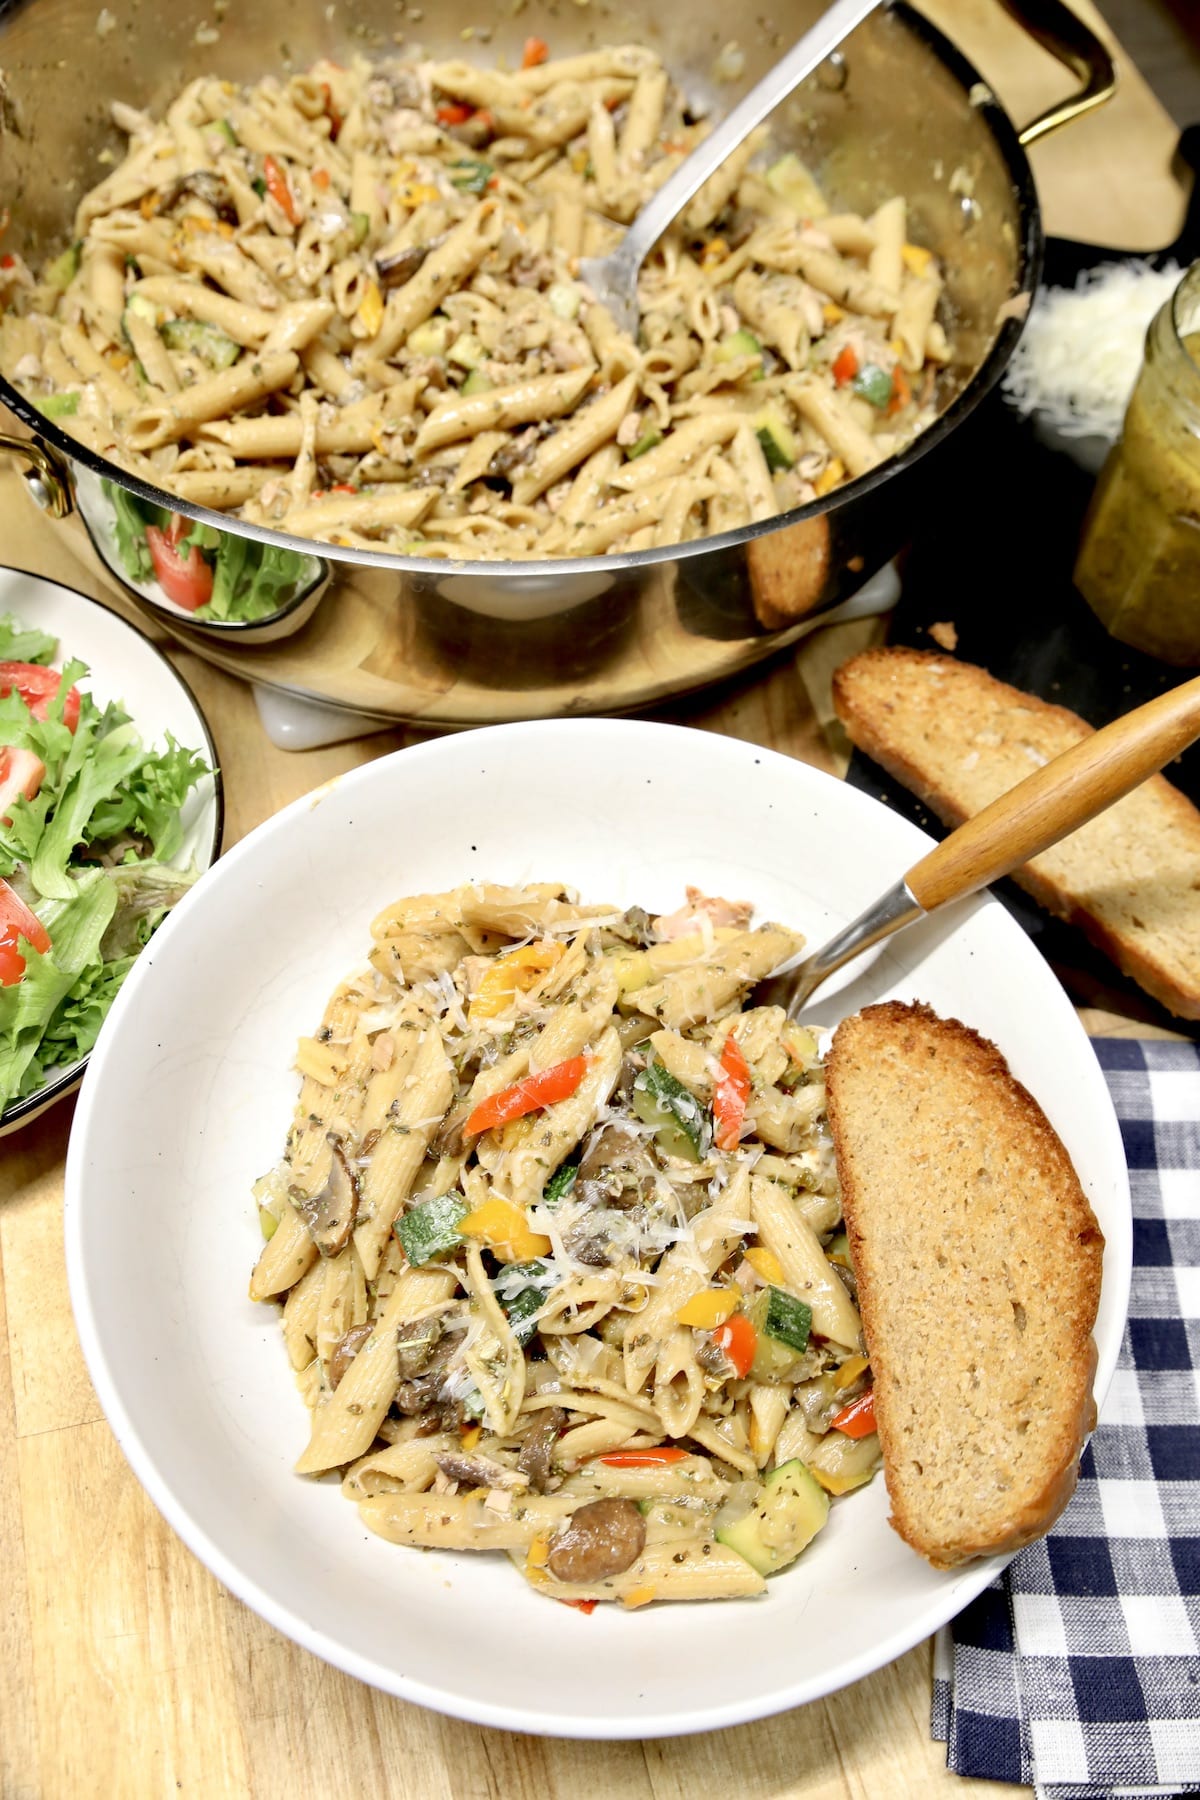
x=1078, y=1671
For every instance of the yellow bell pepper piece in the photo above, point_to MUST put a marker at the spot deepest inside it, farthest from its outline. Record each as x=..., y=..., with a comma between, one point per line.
x=916, y=258
x=709, y=1308
x=839, y=1484
x=536, y=1558
x=764, y=1262
x=512, y=974
x=832, y=312
x=850, y=1371
x=370, y=312
x=503, y=1228
x=638, y=1596
x=471, y=1436
x=715, y=251
x=830, y=475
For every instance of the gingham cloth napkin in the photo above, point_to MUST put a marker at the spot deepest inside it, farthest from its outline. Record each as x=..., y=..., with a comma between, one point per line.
x=1078, y=1671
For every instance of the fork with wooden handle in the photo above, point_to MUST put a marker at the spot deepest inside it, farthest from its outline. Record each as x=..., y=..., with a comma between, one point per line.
x=1048, y=805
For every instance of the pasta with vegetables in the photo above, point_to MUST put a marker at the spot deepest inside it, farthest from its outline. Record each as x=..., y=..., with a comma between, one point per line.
x=347, y=304
x=556, y=1237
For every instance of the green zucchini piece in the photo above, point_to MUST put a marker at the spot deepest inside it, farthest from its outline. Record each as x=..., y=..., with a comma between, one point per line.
x=63, y=270
x=739, y=343
x=682, y=1126
x=795, y=186
x=874, y=384
x=431, y=1229
x=778, y=440
x=204, y=341
x=519, y=1310
x=561, y=1182
x=476, y=383
x=790, y=1509
x=470, y=175
x=59, y=406
x=649, y=440
x=782, y=1326
x=361, y=225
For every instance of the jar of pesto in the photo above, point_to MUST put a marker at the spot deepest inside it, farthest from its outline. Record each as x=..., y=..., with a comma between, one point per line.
x=1139, y=559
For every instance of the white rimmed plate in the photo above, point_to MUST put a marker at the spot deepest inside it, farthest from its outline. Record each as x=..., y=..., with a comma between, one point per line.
x=189, y=1096
x=123, y=666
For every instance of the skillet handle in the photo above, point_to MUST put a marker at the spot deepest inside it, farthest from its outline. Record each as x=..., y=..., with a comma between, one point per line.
x=46, y=473
x=1076, y=45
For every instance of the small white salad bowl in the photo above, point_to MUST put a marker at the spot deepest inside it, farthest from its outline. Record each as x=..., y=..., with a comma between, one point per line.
x=123, y=666
x=188, y=1099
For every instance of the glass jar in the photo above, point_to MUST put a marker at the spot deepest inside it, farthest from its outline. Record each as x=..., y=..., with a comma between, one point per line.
x=1139, y=560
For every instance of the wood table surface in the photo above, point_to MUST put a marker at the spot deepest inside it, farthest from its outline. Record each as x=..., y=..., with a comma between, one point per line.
x=125, y=1668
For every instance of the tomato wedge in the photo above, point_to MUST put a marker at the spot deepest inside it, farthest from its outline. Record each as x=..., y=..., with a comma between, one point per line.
x=37, y=688
x=858, y=1419
x=21, y=772
x=453, y=112
x=184, y=578
x=529, y=1095
x=657, y=1456
x=739, y=1340
x=16, y=921
x=730, y=1095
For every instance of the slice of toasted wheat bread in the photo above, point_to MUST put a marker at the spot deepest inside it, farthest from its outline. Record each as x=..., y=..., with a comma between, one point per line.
x=977, y=1259
x=958, y=738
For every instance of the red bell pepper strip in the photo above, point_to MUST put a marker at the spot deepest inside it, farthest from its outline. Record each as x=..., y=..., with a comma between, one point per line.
x=184, y=578
x=845, y=365
x=858, y=1419
x=16, y=921
x=331, y=113
x=739, y=1340
x=453, y=112
x=583, y=1606
x=280, y=192
x=655, y=1457
x=901, y=390
x=536, y=51
x=730, y=1095
x=527, y=1095
x=37, y=688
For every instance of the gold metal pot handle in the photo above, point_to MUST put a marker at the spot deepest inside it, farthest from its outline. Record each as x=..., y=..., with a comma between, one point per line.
x=1076, y=45
x=46, y=472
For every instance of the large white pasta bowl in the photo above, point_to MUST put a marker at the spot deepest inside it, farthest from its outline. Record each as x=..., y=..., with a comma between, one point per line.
x=189, y=1095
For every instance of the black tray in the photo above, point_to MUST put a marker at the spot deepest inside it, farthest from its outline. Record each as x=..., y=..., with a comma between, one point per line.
x=996, y=563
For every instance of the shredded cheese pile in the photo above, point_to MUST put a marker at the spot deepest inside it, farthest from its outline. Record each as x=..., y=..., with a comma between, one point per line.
x=1081, y=351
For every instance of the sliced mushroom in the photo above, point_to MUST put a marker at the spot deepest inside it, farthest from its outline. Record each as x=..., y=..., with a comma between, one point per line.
x=603, y=1538
x=536, y=1458
x=330, y=1213
x=394, y=271
x=416, y=1341
x=448, y=1138
x=212, y=189
x=478, y=1471
x=345, y=1351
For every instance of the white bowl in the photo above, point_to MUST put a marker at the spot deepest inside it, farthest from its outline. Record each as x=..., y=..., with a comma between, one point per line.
x=188, y=1099
x=123, y=666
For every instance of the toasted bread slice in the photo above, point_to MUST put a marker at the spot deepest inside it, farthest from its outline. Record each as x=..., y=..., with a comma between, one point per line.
x=958, y=738
x=977, y=1259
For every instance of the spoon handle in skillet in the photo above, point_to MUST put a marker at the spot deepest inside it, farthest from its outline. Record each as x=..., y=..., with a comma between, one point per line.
x=1056, y=799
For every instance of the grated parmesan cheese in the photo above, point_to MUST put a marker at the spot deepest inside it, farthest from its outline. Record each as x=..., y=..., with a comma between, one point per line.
x=1081, y=351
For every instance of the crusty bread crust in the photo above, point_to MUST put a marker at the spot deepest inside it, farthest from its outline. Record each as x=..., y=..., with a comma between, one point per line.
x=880, y=697
x=978, y=1260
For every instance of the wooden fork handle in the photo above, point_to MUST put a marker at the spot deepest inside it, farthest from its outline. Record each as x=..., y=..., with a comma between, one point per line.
x=1059, y=797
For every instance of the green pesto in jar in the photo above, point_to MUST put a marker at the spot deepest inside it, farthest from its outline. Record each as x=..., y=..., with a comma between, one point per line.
x=1139, y=560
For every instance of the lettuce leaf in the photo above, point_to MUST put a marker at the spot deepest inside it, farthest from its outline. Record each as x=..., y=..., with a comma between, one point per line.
x=23, y=643
x=113, y=759
x=148, y=804
x=76, y=925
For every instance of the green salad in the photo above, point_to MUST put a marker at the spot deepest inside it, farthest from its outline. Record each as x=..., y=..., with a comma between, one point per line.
x=213, y=574
x=89, y=824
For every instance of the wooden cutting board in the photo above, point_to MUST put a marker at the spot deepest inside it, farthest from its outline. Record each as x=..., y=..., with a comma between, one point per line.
x=127, y=1669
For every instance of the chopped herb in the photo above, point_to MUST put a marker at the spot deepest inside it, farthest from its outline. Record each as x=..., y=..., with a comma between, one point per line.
x=472, y=175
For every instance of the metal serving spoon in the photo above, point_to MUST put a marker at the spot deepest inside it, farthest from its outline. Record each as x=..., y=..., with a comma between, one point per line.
x=1049, y=804
x=613, y=278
